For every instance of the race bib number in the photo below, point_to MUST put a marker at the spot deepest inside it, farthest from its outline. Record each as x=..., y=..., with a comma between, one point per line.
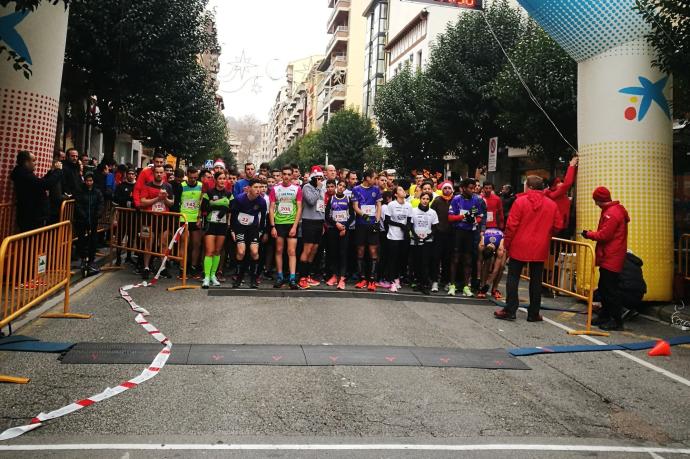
x=245, y=219
x=369, y=210
x=285, y=208
x=320, y=206
x=158, y=207
x=191, y=205
x=422, y=226
x=489, y=216
x=214, y=217
x=340, y=216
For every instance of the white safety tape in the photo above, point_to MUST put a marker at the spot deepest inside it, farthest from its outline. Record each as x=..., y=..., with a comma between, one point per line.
x=149, y=372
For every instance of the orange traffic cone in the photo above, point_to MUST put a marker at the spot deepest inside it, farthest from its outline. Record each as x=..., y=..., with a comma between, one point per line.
x=662, y=349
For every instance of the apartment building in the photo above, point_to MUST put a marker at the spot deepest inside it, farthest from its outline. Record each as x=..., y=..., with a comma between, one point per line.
x=341, y=85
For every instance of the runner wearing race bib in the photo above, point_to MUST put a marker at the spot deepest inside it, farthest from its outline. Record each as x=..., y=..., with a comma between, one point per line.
x=339, y=216
x=284, y=214
x=424, y=223
x=154, y=196
x=216, y=204
x=366, y=200
x=313, y=214
x=492, y=258
x=248, y=225
x=189, y=197
x=398, y=219
x=494, y=207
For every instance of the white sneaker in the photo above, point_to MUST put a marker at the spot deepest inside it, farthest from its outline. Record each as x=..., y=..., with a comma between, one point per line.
x=205, y=283
x=467, y=291
x=434, y=287
x=214, y=281
x=393, y=288
x=451, y=290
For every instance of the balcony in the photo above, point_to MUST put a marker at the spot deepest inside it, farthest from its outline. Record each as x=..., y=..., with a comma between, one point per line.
x=338, y=43
x=340, y=14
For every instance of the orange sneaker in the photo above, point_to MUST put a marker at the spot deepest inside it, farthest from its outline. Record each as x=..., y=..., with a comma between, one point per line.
x=303, y=283
x=362, y=284
x=372, y=286
x=496, y=294
x=313, y=282
x=332, y=281
x=341, y=283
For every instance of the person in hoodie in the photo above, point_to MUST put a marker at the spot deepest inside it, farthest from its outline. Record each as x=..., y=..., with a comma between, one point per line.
x=612, y=245
x=313, y=216
x=533, y=220
x=87, y=210
x=443, y=237
x=557, y=190
x=31, y=191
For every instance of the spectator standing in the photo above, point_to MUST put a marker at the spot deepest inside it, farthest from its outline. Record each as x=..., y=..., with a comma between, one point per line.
x=31, y=191
x=558, y=193
x=507, y=199
x=71, y=173
x=533, y=220
x=87, y=210
x=612, y=245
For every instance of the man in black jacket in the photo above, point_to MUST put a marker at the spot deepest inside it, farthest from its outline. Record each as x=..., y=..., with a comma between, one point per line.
x=631, y=286
x=31, y=191
x=88, y=208
x=71, y=178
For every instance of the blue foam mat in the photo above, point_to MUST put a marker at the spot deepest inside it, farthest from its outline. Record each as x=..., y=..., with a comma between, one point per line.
x=36, y=346
x=544, y=307
x=526, y=351
x=15, y=339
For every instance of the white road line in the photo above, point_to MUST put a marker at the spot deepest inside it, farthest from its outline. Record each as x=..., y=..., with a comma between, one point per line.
x=644, y=363
x=344, y=447
x=655, y=456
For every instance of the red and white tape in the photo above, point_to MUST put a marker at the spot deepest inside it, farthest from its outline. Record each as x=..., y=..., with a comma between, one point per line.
x=149, y=372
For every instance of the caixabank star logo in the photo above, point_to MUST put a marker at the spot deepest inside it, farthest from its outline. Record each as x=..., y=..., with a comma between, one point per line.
x=642, y=97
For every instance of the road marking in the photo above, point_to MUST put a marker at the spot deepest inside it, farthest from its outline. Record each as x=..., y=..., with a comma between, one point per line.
x=344, y=447
x=644, y=363
x=655, y=456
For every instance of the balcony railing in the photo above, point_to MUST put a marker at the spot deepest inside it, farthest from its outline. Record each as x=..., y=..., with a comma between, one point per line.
x=342, y=33
x=339, y=7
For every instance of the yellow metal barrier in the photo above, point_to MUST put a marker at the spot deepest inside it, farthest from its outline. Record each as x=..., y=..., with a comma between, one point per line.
x=7, y=211
x=570, y=270
x=684, y=256
x=67, y=210
x=33, y=266
x=149, y=233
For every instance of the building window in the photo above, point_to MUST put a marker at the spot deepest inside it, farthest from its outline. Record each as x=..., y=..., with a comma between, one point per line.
x=419, y=60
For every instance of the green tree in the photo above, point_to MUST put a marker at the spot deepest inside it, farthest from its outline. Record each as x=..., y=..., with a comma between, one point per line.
x=140, y=60
x=402, y=109
x=310, y=152
x=346, y=137
x=551, y=76
x=462, y=65
x=669, y=21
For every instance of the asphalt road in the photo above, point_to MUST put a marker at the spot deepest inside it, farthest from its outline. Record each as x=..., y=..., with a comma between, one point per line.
x=595, y=401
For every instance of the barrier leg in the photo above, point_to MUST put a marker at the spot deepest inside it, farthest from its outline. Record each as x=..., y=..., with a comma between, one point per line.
x=183, y=265
x=65, y=314
x=588, y=328
x=14, y=379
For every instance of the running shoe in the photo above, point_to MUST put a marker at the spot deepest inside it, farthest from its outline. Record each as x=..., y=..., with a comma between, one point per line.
x=361, y=284
x=451, y=290
x=165, y=274
x=383, y=284
x=253, y=282
x=146, y=274
x=434, y=287
x=293, y=284
x=220, y=276
x=341, y=283
x=237, y=283
x=205, y=283
x=497, y=295
x=304, y=283
x=503, y=314
x=214, y=281
x=397, y=283
x=481, y=295
x=371, y=286
x=393, y=288
x=467, y=291
x=279, y=282
x=312, y=282
x=332, y=281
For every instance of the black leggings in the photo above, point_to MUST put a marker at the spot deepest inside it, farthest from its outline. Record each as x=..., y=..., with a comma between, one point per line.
x=423, y=256
x=336, y=252
x=395, y=262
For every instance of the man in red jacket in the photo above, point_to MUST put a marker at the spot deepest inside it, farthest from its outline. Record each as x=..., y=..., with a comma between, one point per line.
x=612, y=245
x=494, y=207
x=533, y=220
x=557, y=191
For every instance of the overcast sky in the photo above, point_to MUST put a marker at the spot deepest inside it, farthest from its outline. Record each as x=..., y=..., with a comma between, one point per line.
x=269, y=34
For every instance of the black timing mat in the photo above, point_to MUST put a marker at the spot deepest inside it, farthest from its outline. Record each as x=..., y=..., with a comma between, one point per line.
x=293, y=355
x=345, y=294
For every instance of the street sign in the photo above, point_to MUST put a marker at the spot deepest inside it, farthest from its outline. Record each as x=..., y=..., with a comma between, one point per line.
x=208, y=164
x=493, y=153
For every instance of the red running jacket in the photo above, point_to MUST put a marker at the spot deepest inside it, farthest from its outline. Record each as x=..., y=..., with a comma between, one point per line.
x=559, y=195
x=611, y=236
x=532, y=221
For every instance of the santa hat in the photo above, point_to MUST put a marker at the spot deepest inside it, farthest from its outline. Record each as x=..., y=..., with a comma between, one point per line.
x=219, y=164
x=601, y=194
x=316, y=171
x=446, y=184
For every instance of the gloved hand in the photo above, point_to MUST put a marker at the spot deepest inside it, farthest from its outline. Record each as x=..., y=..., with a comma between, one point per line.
x=584, y=234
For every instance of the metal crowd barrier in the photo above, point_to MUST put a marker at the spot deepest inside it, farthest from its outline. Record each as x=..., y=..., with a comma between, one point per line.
x=684, y=256
x=7, y=212
x=150, y=233
x=33, y=266
x=67, y=214
x=570, y=270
